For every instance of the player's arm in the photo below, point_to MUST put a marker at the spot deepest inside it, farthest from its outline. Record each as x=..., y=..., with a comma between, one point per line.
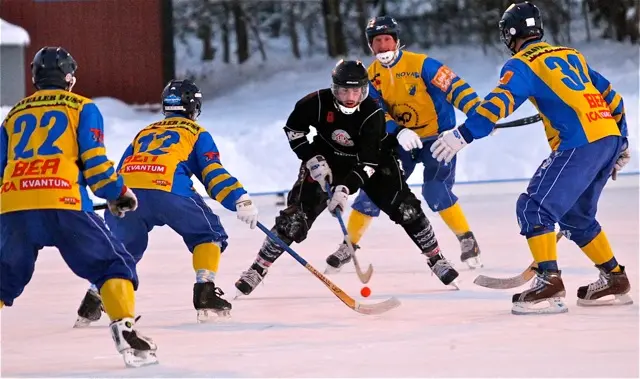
x=372, y=132
x=613, y=99
x=4, y=144
x=220, y=185
x=441, y=78
x=127, y=153
x=391, y=125
x=513, y=90
x=305, y=113
x=97, y=169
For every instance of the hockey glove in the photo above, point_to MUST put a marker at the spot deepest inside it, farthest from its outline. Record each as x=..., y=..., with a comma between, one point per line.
x=338, y=200
x=623, y=158
x=127, y=201
x=320, y=171
x=247, y=211
x=409, y=139
x=447, y=145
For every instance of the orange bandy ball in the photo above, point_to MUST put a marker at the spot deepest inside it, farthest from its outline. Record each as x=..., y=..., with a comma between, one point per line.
x=365, y=291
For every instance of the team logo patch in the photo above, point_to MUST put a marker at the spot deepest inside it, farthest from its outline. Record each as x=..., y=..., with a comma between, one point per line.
x=98, y=135
x=506, y=77
x=443, y=78
x=342, y=138
x=211, y=155
x=405, y=115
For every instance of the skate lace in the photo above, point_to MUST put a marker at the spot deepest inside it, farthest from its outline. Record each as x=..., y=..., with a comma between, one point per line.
x=467, y=244
x=601, y=283
x=343, y=252
x=441, y=267
x=252, y=277
x=539, y=282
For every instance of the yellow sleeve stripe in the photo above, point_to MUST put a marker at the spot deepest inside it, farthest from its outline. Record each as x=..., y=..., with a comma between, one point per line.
x=618, y=117
x=461, y=95
x=99, y=169
x=615, y=102
x=454, y=86
x=487, y=114
x=509, y=97
x=210, y=168
x=91, y=153
x=104, y=182
x=225, y=191
x=217, y=180
x=501, y=106
x=606, y=92
x=470, y=104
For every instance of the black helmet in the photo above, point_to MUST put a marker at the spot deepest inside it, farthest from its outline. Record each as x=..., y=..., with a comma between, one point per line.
x=182, y=97
x=521, y=20
x=382, y=25
x=53, y=67
x=349, y=74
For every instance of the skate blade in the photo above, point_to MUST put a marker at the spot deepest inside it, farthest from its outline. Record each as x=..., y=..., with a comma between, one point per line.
x=212, y=315
x=139, y=358
x=614, y=300
x=551, y=305
x=82, y=322
x=331, y=270
x=455, y=284
x=474, y=263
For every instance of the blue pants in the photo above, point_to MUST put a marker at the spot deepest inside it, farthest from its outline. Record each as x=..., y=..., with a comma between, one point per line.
x=190, y=217
x=565, y=189
x=438, y=180
x=86, y=245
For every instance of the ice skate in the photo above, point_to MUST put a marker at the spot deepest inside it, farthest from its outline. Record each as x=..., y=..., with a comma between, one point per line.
x=470, y=250
x=136, y=349
x=338, y=259
x=250, y=279
x=610, y=289
x=545, y=296
x=207, y=301
x=443, y=269
x=90, y=309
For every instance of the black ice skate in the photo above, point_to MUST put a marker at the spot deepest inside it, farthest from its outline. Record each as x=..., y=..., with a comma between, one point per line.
x=250, y=279
x=610, y=289
x=443, y=269
x=545, y=296
x=470, y=250
x=136, y=349
x=338, y=259
x=207, y=301
x=90, y=309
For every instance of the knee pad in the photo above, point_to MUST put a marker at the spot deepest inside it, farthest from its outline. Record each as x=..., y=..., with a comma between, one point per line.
x=292, y=224
x=408, y=211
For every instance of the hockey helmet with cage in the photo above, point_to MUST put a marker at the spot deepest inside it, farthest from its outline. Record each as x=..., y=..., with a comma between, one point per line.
x=520, y=20
x=53, y=68
x=350, y=85
x=182, y=97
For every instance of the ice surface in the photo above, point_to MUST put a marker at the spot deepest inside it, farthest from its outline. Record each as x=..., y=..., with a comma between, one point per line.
x=292, y=326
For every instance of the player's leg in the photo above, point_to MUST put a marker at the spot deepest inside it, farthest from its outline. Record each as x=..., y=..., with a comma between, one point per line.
x=132, y=230
x=391, y=193
x=306, y=201
x=19, y=251
x=92, y=252
x=206, y=239
x=437, y=189
x=556, y=186
x=580, y=226
x=360, y=218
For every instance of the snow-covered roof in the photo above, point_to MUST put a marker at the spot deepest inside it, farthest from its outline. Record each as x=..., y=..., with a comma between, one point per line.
x=12, y=34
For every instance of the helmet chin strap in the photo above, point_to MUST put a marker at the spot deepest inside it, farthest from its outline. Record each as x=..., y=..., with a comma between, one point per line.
x=72, y=83
x=346, y=110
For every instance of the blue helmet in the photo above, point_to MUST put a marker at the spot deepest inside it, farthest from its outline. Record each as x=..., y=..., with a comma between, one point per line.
x=53, y=67
x=182, y=97
x=521, y=20
x=382, y=25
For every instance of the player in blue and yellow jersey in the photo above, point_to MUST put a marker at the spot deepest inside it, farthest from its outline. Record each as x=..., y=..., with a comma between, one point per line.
x=158, y=165
x=51, y=148
x=585, y=123
x=418, y=94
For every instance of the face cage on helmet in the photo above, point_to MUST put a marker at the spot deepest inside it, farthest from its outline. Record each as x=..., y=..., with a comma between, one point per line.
x=343, y=108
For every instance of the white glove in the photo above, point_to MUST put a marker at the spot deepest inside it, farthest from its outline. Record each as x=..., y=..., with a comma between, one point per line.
x=447, y=145
x=246, y=211
x=409, y=139
x=127, y=201
x=623, y=159
x=320, y=171
x=339, y=199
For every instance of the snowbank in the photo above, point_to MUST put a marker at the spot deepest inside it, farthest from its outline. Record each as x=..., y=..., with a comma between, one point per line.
x=11, y=34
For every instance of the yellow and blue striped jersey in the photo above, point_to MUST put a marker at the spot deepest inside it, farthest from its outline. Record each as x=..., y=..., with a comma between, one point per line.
x=165, y=154
x=51, y=148
x=576, y=103
x=419, y=93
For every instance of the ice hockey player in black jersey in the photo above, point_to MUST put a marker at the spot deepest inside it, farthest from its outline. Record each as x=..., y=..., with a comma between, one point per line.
x=348, y=153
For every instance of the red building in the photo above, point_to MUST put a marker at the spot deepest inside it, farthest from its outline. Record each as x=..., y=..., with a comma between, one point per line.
x=124, y=48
